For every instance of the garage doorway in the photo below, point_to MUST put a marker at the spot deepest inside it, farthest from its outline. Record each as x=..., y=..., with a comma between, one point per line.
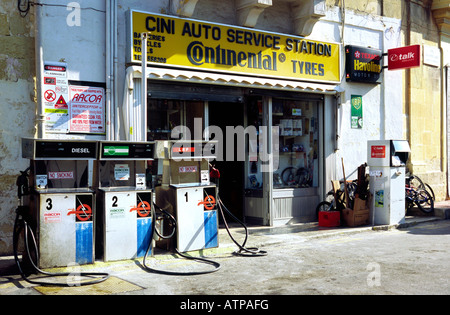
x=231, y=183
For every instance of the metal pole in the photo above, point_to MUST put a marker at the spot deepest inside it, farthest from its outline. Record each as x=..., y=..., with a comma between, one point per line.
x=144, y=87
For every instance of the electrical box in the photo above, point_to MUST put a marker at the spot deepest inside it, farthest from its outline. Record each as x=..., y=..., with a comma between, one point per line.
x=386, y=160
x=61, y=200
x=124, y=199
x=388, y=153
x=187, y=193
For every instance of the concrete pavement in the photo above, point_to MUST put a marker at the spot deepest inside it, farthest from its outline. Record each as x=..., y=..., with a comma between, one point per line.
x=263, y=237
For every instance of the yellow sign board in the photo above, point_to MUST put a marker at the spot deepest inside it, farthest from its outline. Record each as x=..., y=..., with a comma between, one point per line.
x=201, y=45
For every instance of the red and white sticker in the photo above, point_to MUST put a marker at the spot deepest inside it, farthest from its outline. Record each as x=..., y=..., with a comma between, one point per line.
x=187, y=169
x=378, y=152
x=60, y=175
x=50, y=217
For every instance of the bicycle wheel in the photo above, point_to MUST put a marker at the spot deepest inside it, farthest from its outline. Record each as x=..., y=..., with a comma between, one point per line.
x=430, y=190
x=302, y=175
x=351, y=188
x=424, y=201
x=323, y=206
x=289, y=176
x=414, y=181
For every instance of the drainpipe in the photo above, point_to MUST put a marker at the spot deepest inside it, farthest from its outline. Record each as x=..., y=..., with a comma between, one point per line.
x=408, y=79
x=112, y=117
x=40, y=120
x=109, y=74
x=115, y=105
x=444, y=114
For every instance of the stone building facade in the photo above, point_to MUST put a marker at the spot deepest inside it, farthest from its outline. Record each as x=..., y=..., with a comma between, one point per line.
x=408, y=104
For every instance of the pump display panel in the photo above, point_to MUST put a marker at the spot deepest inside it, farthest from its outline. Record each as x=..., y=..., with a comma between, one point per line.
x=37, y=149
x=126, y=151
x=63, y=174
x=187, y=193
x=193, y=150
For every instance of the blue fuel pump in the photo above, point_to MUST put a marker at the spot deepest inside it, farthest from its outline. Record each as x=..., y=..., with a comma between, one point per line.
x=188, y=203
x=56, y=212
x=188, y=194
x=61, y=201
x=124, y=200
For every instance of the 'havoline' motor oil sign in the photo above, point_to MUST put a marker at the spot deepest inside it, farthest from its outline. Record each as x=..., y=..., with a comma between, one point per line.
x=362, y=64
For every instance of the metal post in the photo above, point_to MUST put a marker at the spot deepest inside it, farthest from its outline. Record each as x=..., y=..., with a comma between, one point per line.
x=144, y=87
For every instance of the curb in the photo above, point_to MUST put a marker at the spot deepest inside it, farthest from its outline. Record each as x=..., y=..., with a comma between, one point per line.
x=331, y=232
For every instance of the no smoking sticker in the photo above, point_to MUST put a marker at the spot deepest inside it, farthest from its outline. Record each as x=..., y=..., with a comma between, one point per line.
x=50, y=95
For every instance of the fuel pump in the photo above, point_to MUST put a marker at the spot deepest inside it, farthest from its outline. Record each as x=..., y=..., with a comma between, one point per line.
x=124, y=200
x=189, y=203
x=192, y=220
x=61, y=203
x=188, y=194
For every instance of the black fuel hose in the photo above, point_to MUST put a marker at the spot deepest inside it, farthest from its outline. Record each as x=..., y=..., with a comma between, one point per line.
x=20, y=224
x=174, y=225
x=243, y=251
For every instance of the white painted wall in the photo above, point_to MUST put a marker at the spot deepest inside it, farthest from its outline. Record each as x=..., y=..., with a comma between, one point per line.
x=382, y=103
x=75, y=36
x=17, y=109
x=72, y=32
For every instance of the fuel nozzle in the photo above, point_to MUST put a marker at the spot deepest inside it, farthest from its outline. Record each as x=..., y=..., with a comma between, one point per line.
x=214, y=173
x=22, y=184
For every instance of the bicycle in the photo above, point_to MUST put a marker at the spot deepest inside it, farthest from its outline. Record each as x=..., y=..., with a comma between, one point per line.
x=337, y=200
x=420, y=197
x=415, y=181
x=326, y=205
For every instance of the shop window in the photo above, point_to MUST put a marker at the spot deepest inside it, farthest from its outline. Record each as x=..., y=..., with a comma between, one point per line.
x=298, y=143
x=194, y=119
x=164, y=115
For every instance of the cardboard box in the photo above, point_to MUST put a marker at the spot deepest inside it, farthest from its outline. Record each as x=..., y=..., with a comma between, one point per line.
x=359, y=205
x=352, y=218
x=358, y=216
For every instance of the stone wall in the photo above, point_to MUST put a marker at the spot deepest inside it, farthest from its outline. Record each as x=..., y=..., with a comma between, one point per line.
x=17, y=108
x=423, y=113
